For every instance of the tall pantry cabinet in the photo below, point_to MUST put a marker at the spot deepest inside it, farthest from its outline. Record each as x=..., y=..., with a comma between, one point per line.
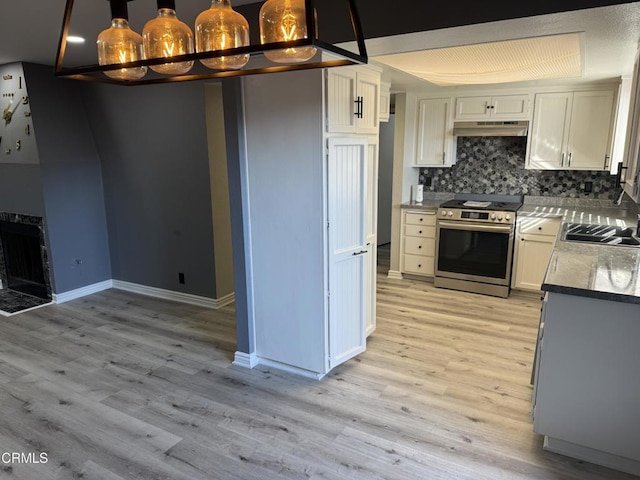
x=312, y=209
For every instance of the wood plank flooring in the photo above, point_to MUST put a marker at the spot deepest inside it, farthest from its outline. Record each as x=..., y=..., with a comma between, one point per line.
x=120, y=386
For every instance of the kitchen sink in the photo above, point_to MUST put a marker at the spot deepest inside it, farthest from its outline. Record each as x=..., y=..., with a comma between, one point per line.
x=601, y=234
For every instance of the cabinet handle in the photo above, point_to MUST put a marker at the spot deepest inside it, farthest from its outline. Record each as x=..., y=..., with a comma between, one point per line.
x=419, y=265
x=606, y=161
x=539, y=228
x=421, y=219
x=420, y=231
x=570, y=153
x=359, y=101
x=562, y=160
x=419, y=247
x=361, y=252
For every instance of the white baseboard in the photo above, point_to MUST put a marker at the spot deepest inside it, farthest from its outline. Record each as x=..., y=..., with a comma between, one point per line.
x=395, y=275
x=214, y=303
x=290, y=369
x=81, y=292
x=598, y=457
x=245, y=360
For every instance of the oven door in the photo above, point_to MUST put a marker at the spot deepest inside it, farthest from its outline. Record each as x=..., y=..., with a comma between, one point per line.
x=474, y=251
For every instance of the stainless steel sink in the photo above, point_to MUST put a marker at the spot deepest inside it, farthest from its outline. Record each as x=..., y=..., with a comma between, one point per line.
x=600, y=234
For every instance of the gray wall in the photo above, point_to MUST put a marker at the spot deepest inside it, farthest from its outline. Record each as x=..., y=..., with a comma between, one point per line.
x=385, y=179
x=153, y=146
x=20, y=179
x=71, y=182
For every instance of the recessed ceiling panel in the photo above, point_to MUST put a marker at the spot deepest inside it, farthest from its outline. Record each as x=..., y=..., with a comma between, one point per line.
x=556, y=56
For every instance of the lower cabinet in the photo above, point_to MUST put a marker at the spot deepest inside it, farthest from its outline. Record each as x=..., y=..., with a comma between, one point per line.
x=586, y=391
x=418, y=242
x=535, y=240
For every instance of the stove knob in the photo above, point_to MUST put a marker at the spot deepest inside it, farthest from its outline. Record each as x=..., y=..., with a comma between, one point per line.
x=450, y=213
x=493, y=216
x=507, y=218
x=443, y=213
x=499, y=218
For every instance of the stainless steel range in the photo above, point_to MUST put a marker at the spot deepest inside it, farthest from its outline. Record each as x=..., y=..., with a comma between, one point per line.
x=474, y=243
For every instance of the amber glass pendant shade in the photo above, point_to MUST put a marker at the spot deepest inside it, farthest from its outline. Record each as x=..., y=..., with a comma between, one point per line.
x=120, y=44
x=167, y=36
x=219, y=28
x=281, y=21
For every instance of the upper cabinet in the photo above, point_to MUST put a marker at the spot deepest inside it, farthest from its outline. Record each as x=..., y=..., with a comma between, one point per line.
x=353, y=96
x=631, y=163
x=434, y=136
x=498, y=107
x=572, y=130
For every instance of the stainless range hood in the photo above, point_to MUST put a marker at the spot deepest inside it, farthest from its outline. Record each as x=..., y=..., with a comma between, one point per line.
x=491, y=129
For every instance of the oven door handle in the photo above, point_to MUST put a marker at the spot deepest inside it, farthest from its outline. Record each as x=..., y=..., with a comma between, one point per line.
x=475, y=227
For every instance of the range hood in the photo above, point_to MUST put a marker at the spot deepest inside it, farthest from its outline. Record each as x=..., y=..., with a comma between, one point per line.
x=491, y=129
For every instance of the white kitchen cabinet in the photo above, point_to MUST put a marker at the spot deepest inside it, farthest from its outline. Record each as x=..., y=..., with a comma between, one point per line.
x=630, y=174
x=435, y=143
x=418, y=242
x=353, y=99
x=534, y=244
x=572, y=130
x=385, y=101
x=498, y=107
x=310, y=223
x=371, y=260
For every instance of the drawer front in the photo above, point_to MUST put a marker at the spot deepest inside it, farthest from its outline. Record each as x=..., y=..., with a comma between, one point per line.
x=420, y=219
x=420, y=231
x=540, y=226
x=419, y=265
x=420, y=246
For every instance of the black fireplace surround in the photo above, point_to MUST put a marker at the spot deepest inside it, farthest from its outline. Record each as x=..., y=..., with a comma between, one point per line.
x=24, y=265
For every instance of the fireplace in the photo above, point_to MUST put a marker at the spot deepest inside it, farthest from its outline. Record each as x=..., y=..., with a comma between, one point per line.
x=23, y=256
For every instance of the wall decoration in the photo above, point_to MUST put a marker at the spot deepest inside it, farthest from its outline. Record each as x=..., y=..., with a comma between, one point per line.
x=495, y=165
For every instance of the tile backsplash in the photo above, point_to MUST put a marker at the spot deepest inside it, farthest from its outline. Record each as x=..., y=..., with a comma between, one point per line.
x=495, y=165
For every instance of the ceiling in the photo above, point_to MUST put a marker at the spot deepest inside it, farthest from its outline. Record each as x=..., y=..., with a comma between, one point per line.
x=610, y=33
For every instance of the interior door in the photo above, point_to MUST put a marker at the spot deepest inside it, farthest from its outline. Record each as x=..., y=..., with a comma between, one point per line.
x=346, y=210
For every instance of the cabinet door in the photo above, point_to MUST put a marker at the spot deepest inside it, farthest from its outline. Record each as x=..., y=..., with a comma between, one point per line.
x=470, y=108
x=371, y=236
x=368, y=90
x=341, y=98
x=346, y=210
x=532, y=255
x=434, y=135
x=550, y=131
x=510, y=106
x=589, y=145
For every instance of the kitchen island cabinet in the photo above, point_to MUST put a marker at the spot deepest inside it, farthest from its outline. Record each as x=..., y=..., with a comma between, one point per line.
x=586, y=393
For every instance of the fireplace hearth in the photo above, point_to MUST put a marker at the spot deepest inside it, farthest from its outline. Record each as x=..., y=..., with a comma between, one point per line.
x=24, y=265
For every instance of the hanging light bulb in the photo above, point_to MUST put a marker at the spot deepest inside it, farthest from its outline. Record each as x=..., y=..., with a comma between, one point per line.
x=166, y=36
x=281, y=21
x=219, y=28
x=120, y=44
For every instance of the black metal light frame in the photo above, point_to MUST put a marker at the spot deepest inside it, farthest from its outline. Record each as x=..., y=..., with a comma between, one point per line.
x=88, y=72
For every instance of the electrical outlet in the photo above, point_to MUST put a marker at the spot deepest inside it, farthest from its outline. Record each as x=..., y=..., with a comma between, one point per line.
x=588, y=187
x=181, y=278
x=427, y=181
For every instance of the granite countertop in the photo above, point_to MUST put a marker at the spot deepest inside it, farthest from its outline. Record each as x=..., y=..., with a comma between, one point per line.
x=596, y=271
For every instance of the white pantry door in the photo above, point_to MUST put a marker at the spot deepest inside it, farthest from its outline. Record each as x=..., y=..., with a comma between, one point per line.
x=346, y=209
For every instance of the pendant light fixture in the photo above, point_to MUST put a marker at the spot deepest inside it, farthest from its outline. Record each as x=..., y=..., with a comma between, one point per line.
x=284, y=21
x=166, y=36
x=220, y=28
x=168, y=49
x=120, y=44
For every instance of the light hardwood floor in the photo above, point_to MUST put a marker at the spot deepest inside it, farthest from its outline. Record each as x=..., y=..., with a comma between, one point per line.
x=120, y=386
